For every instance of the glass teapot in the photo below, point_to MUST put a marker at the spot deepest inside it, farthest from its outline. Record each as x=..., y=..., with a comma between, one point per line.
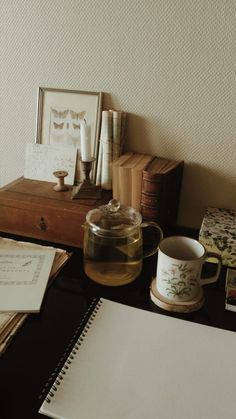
x=113, y=244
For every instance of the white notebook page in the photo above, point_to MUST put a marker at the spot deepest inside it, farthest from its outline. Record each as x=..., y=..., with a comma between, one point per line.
x=135, y=364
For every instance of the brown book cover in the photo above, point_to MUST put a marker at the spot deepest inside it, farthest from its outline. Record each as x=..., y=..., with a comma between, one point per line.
x=125, y=181
x=115, y=173
x=161, y=191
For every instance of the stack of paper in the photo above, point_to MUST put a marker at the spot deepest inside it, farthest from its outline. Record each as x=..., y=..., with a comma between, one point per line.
x=25, y=270
x=9, y=324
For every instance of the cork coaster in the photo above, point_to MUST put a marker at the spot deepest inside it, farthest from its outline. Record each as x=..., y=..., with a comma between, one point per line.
x=177, y=306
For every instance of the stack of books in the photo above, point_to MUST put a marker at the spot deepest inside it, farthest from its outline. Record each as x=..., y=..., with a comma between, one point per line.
x=149, y=184
x=16, y=310
x=161, y=187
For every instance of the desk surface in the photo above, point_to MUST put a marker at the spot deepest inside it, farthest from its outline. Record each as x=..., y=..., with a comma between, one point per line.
x=38, y=346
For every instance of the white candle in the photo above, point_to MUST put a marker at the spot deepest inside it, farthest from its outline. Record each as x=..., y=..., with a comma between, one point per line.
x=85, y=142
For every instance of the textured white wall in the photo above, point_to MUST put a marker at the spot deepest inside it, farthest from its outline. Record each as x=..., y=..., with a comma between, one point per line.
x=169, y=64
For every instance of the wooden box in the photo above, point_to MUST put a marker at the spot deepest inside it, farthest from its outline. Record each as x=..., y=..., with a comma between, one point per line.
x=32, y=208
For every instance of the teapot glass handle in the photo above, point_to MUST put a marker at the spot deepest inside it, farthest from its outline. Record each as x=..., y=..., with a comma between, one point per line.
x=150, y=252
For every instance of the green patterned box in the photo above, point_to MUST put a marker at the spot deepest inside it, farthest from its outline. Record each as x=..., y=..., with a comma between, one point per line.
x=218, y=233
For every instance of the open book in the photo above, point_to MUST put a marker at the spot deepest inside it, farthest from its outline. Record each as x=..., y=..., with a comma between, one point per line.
x=11, y=321
x=133, y=364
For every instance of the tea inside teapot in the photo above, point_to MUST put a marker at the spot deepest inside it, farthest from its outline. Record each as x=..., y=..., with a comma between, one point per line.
x=113, y=244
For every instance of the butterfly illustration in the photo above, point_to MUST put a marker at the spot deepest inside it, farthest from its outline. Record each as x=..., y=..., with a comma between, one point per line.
x=75, y=126
x=58, y=126
x=60, y=114
x=77, y=115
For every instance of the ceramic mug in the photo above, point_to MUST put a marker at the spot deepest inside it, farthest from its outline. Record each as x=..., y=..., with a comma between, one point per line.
x=179, y=267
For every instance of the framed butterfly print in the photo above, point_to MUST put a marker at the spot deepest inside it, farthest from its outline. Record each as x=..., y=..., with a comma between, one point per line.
x=59, y=115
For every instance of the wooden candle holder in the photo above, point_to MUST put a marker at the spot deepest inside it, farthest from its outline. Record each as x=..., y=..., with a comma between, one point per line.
x=86, y=189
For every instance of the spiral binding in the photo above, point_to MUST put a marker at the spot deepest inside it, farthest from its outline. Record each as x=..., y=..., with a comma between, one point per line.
x=70, y=351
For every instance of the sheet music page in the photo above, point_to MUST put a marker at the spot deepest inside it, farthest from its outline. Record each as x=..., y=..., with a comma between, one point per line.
x=23, y=278
x=42, y=160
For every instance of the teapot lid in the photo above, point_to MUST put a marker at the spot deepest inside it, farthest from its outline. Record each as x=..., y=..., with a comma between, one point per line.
x=114, y=217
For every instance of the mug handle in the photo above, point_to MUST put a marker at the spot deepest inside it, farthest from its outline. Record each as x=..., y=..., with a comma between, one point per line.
x=150, y=252
x=213, y=278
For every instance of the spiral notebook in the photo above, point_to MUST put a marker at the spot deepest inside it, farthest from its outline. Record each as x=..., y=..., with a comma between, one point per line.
x=134, y=364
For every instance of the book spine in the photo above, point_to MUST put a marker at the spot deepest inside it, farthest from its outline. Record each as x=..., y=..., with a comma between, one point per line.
x=136, y=182
x=125, y=186
x=151, y=196
x=115, y=173
x=150, y=205
x=150, y=200
x=125, y=180
x=160, y=196
x=150, y=213
x=151, y=183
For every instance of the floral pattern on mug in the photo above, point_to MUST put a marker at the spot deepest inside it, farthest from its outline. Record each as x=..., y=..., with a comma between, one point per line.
x=180, y=280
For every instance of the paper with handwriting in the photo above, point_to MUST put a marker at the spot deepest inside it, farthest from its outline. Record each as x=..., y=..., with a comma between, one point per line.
x=24, y=276
x=42, y=160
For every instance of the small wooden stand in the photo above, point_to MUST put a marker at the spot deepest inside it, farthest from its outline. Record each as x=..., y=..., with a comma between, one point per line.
x=175, y=306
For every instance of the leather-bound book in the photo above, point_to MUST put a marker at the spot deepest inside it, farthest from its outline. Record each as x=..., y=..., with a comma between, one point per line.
x=161, y=186
x=136, y=181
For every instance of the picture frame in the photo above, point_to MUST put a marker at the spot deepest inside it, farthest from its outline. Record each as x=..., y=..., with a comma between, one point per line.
x=59, y=114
